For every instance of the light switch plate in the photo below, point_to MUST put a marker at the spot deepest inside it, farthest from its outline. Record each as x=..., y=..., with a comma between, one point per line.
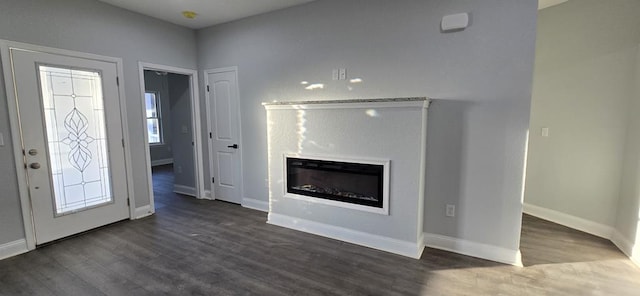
x=343, y=74
x=450, y=211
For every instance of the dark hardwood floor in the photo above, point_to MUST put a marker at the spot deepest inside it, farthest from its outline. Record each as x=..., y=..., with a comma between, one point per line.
x=197, y=247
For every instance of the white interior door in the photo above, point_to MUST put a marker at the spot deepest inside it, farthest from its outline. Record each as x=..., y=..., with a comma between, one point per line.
x=224, y=137
x=71, y=133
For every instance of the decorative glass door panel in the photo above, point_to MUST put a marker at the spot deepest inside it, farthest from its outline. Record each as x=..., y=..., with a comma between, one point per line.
x=72, y=134
x=74, y=119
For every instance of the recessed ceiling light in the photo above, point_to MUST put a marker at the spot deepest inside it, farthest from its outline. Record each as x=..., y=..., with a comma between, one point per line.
x=189, y=14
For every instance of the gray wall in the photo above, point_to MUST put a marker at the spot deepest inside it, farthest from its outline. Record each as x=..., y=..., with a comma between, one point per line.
x=480, y=76
x=11, y=226
x=583, y=85
x=628, y=215
x=159, y=84
x=98, y=28
x=181, y=129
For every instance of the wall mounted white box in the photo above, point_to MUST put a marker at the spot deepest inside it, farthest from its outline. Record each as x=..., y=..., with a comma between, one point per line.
x=454, y=22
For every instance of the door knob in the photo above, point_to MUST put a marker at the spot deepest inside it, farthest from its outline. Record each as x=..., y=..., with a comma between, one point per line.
x=34, y=165
x=33, y=152
x=234, y=146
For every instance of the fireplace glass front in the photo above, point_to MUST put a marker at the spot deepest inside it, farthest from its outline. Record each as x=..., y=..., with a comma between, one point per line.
x=355, y=183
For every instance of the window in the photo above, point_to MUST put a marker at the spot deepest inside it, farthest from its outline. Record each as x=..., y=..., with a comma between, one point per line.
x=153, y=117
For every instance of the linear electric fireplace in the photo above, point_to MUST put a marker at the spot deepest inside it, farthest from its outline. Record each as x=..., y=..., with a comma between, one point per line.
x=361, y=184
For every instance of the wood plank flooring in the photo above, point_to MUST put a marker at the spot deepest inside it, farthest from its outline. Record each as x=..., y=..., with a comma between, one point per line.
x=196, y=247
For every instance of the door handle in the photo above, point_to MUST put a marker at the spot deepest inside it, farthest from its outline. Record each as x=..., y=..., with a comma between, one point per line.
x=33, y=152
x=34, y=165
x=234, y=146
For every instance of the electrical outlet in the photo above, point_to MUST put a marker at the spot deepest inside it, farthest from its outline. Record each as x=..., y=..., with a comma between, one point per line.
x=451, y=211
x=544, y=131
x=179, y=169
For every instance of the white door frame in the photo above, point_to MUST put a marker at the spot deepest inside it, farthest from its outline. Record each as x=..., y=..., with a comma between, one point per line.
x=195, y=126
x=209, y=127
x=16, y=132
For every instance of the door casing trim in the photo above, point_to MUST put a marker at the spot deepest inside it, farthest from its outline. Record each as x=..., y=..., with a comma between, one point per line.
x=16, y=130
x=209, y=128
x=195, y=125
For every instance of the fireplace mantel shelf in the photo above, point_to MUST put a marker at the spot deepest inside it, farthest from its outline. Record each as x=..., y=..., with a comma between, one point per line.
x=352, y=103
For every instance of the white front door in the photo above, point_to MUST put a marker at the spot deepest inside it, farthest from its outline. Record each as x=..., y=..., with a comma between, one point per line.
x=224, y=135
x=69, y=111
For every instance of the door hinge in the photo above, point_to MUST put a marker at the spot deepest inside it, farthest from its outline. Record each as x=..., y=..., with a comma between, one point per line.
x=117, y=81
x=213, y=180
x=128, y=202
x=122, y=143
x=210, y=135
x=208, y=88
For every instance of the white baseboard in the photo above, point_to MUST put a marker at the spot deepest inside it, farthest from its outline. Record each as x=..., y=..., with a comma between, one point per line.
x=574, y=222
x=255, y=204
x=143, y=211
x=158, y=162
x=473, y=249
x=627, y=247
x=207, y=195
x=190, y=191
x=400, y=247
x=186, y=190
x=13, y=248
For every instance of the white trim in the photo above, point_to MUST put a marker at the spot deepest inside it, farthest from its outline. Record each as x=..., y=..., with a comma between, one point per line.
x=574, y=222
x=255, y=204
x=144, y=211
x=185, y=190
x=423, y=173
x=158, y=162
x=191, y=191
x=209, y=128
x=386, y=163
x=195, y=121
x=16, y=141
x=16, y=138
x=350, y=105
x=627, y=247
x=400, y=247
x=13, y=248
x=473, y=249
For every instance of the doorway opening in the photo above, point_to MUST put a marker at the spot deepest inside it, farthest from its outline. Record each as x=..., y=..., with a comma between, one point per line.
x=580, y=194
x=172, y=130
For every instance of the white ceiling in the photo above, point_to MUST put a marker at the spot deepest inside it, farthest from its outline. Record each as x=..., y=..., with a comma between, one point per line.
x=210, y=12
x=542, y=4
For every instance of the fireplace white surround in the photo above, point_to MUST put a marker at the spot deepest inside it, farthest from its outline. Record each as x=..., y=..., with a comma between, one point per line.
x=391, y=131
